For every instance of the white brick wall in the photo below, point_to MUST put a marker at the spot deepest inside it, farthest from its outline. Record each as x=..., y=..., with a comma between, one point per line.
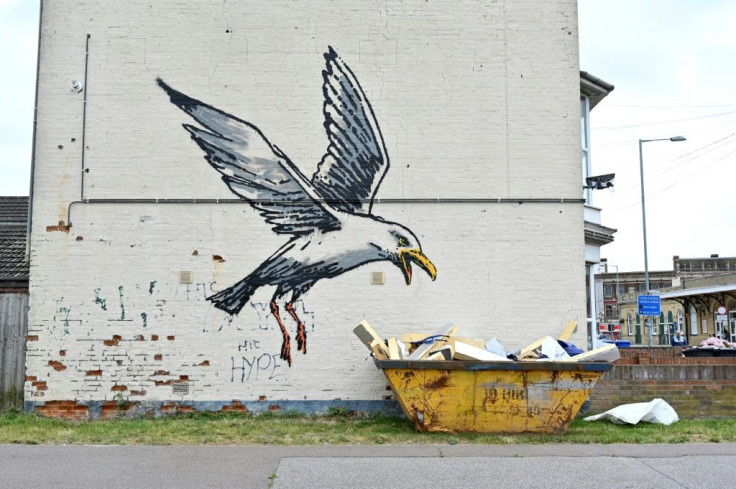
x=475, y=99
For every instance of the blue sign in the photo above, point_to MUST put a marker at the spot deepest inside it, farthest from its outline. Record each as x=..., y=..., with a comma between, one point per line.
x=649, y=305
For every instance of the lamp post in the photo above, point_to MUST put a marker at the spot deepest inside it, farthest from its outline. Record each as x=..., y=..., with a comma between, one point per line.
x=644, y=217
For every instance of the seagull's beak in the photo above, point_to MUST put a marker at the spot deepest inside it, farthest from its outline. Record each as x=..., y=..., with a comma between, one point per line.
x=406, y=256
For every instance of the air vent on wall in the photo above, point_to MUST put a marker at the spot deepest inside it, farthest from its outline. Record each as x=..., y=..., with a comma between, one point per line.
x=185, y=277
x=378, y=278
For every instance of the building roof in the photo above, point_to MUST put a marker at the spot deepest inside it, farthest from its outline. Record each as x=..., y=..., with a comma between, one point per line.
x=594, y=88
x=13, y=222
x=13, y=209
x=713, y=289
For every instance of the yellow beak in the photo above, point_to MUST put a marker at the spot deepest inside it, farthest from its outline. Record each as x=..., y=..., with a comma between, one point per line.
x=415, y=255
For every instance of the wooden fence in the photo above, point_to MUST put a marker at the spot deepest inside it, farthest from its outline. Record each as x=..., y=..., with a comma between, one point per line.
x=13, y=329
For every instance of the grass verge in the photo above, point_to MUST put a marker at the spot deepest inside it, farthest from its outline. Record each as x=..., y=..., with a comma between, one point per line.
x=337, y=429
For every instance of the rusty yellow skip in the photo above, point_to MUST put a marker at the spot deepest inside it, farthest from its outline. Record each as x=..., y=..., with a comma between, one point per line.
x=492, y=397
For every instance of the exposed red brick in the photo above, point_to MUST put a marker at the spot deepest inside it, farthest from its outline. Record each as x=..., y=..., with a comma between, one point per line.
x=170, y=406
x=163, y=382
x=58, y=366
x=79, y=238
x=261, y=398
x=138, y=393
x=62, y=353
x=154, y=337
x=205, y=363
x=60, y=227
x=114, y=341
x=140, y=338
x=236, y=406
x=63, y=409
x=113, y=409
x=93, y=373
x=39, y=385
x=119, y=388
x=30, y=378
x=32, y=337
x=158, y=356
x=171, y=338
x=183, y=378
x=218, y=258
x=274, y=407
x=161, y=372
x=109, y=410
x=195, y=253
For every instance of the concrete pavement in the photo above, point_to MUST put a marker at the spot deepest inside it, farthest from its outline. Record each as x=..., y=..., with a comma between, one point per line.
x=553, y=466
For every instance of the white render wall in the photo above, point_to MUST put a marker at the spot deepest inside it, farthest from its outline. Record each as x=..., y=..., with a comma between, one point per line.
x=475, y=99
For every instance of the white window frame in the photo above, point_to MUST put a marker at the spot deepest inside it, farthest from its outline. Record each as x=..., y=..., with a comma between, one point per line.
x=693, y=321
x=585, y=144
x=608, y=291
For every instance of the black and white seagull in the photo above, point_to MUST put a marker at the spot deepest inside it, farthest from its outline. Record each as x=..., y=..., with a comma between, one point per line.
x=329, y=217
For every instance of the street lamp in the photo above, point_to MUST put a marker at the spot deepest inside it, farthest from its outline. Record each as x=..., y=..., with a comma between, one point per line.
x=644, y=216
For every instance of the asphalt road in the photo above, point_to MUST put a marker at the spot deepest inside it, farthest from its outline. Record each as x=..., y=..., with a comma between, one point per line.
x=555, y=466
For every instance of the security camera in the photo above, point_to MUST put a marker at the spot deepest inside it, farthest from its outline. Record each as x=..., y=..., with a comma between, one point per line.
x=600, y=181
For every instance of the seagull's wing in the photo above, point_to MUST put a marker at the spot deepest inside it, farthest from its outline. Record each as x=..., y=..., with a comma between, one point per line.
x=255, y=170
x=355, y=163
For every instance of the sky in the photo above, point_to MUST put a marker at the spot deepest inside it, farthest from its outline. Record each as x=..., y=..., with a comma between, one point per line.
x=673, y=65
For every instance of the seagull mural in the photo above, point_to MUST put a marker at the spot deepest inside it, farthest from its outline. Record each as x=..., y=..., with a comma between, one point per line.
x=329, y=217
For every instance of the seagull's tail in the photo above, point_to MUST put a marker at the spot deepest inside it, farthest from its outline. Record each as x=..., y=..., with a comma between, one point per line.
x=233, y=299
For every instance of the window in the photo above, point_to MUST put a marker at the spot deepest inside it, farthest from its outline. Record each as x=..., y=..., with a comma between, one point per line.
x=629, y=324
x=608, y=291
x=609, y=310
x=693, y=320
x=585, y=136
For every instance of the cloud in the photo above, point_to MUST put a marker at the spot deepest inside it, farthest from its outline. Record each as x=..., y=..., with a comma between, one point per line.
x=19, y=38
x=669, y=62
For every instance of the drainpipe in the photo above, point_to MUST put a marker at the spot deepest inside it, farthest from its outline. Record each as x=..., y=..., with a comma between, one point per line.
x=33, y=144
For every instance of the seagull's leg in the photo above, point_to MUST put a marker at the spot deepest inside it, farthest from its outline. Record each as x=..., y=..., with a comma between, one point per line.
x=285, y=346
x=301, y=332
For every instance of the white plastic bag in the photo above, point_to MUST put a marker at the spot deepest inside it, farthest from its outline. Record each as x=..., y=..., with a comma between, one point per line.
x=495, y=347
x=656, y=411
x=552, y=349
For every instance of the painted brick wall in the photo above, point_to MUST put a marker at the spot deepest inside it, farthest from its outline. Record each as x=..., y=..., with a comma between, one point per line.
x=475, y=100
x=696, y=388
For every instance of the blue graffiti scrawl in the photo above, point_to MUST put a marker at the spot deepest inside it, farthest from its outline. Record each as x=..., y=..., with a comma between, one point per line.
x=329, y=217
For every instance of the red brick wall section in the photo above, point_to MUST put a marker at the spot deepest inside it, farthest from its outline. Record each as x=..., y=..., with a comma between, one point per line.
x=63, y=409
x=697, y=388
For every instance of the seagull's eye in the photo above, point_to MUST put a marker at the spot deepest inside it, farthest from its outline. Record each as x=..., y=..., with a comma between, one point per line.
x=403, y=241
